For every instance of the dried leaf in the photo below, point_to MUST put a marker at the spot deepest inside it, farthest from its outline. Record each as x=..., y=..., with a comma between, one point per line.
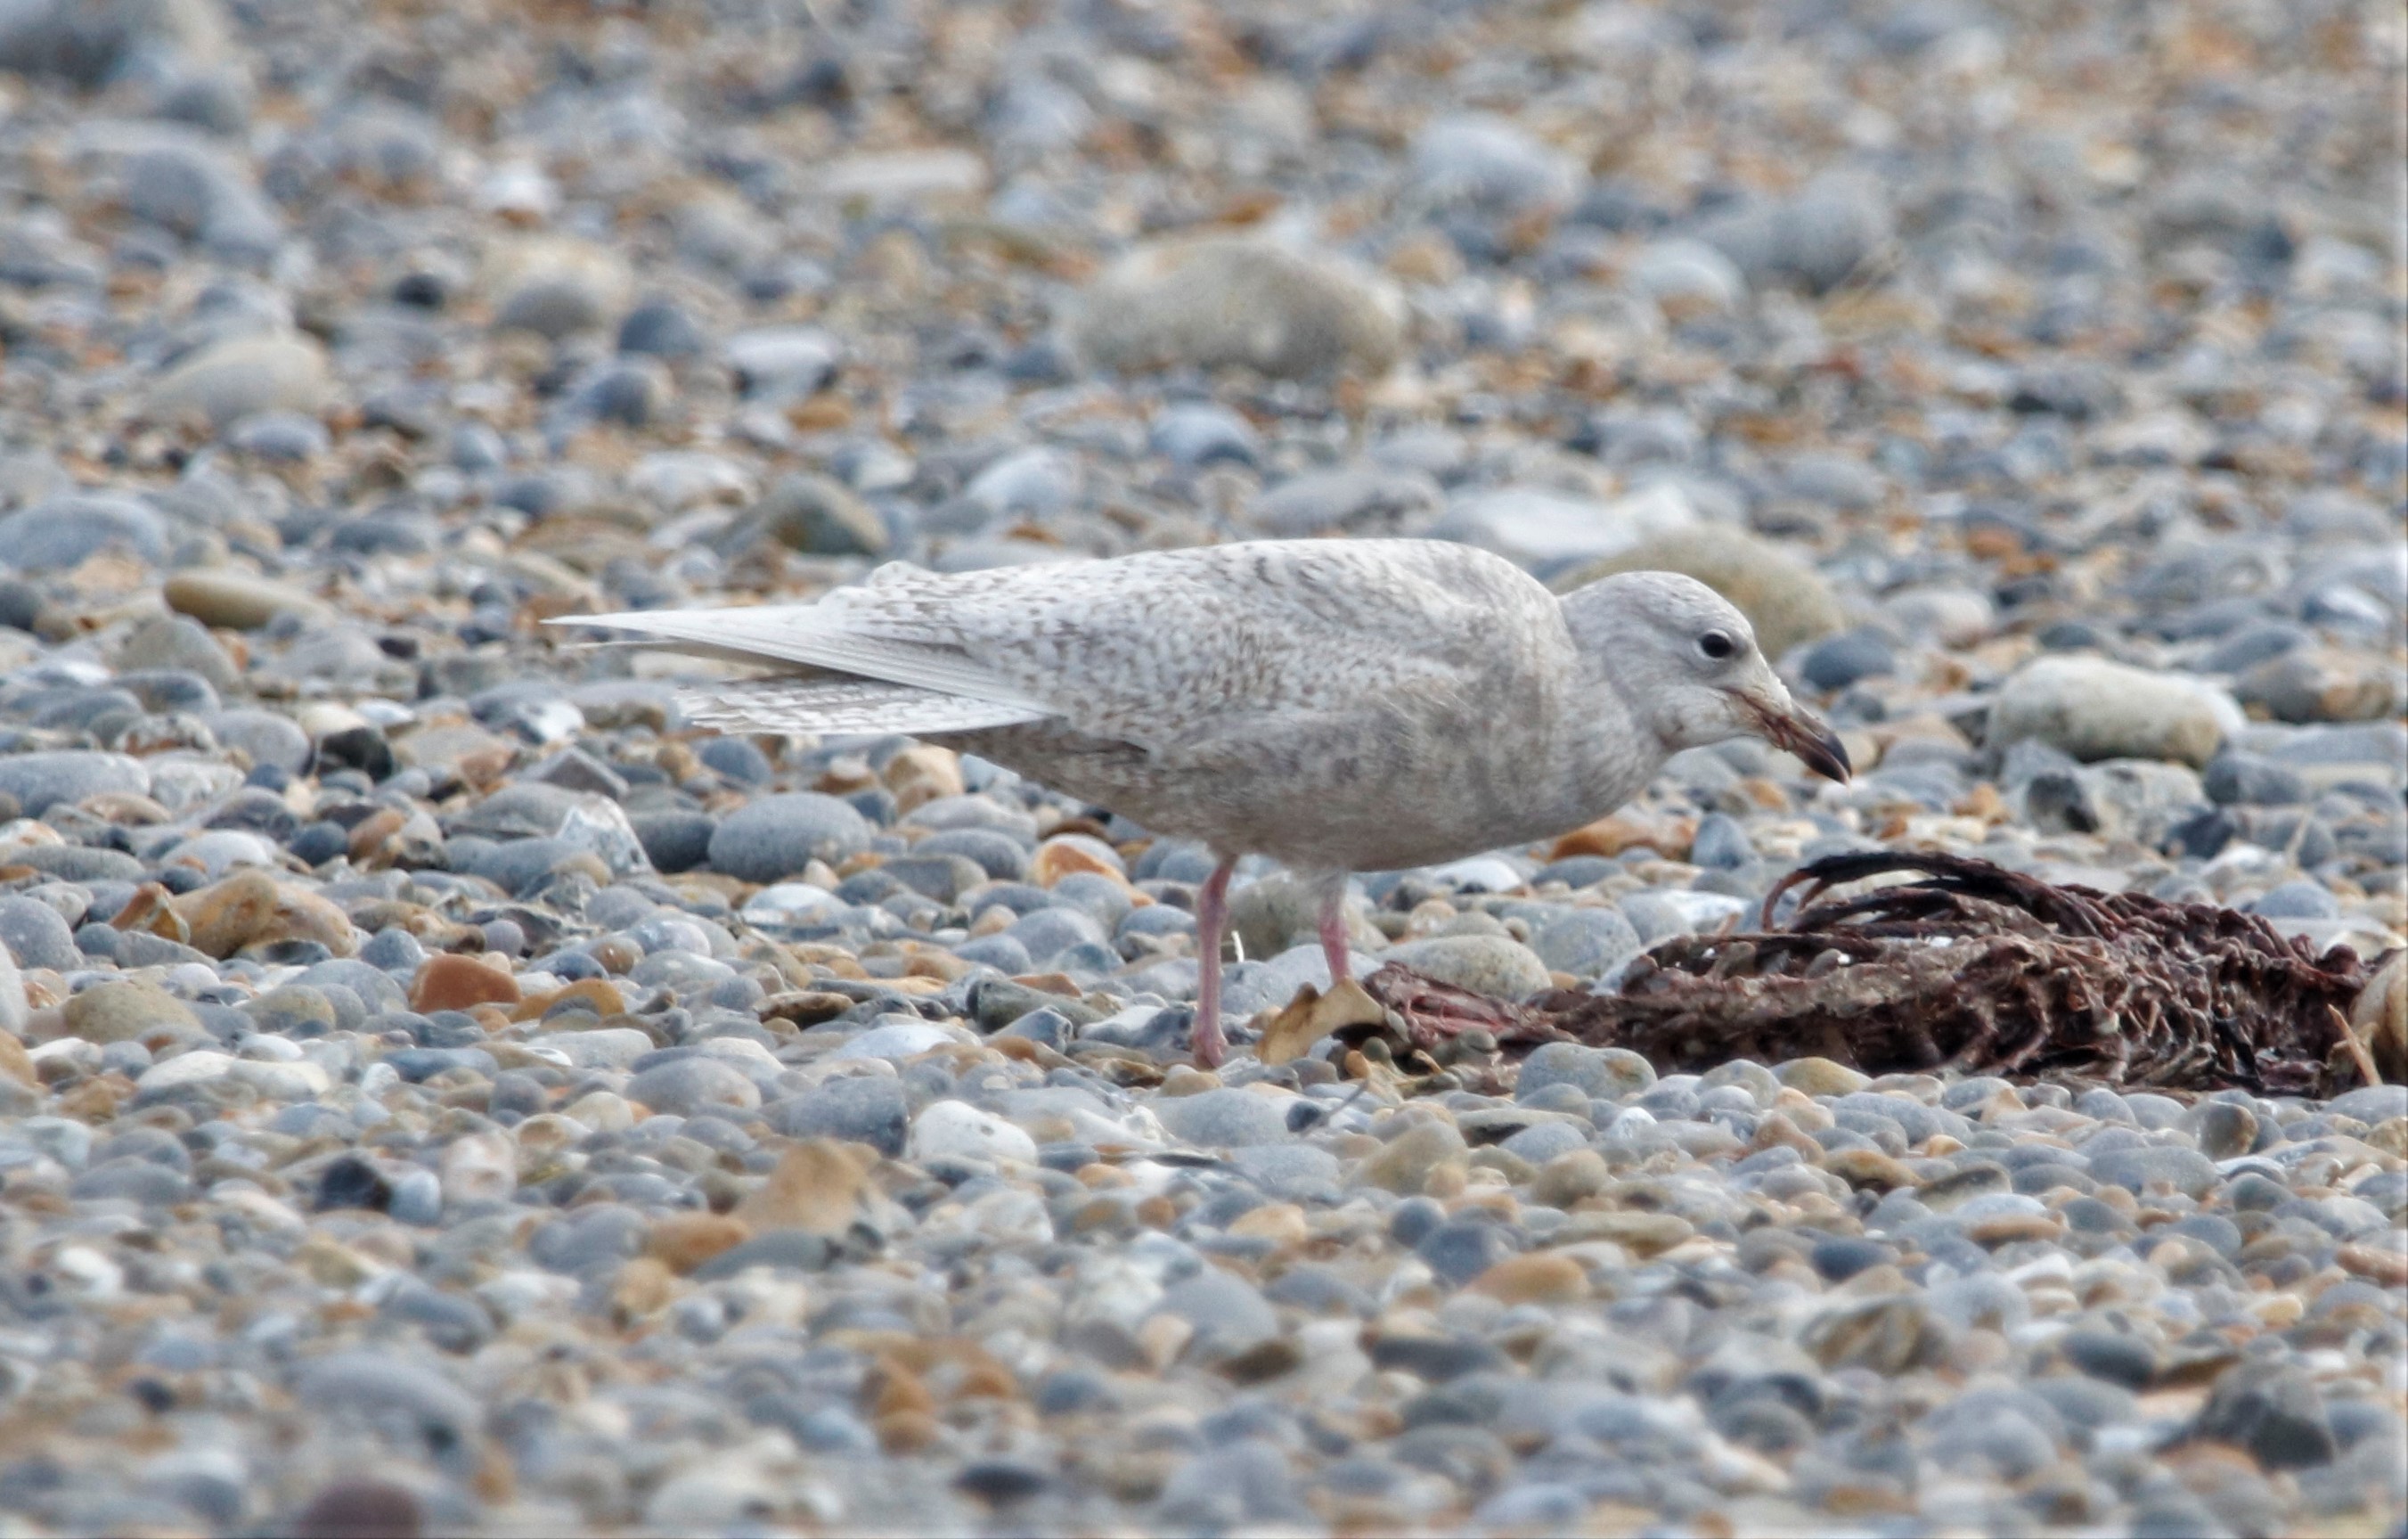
x=1312, y=1015
x=2380, y=1019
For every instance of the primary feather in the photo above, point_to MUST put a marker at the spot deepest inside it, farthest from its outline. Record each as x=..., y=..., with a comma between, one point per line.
x=827, y=635
x=841, y=705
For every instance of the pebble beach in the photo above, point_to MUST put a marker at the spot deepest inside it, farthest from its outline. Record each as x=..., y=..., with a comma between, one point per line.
x=442, y=1091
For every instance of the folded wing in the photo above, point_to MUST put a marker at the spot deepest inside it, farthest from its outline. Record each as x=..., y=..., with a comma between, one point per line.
x=1163, y=650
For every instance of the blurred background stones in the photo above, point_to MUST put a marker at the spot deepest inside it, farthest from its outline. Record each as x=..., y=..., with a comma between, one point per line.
x=423, y=1054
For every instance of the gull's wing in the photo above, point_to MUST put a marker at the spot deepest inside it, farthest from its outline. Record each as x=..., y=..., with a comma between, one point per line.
x=1162, y=649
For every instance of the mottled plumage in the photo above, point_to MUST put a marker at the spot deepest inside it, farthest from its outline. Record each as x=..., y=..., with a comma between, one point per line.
x=1339, y=705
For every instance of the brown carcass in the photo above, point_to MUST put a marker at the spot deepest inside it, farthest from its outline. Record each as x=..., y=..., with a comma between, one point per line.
x=1972, y=968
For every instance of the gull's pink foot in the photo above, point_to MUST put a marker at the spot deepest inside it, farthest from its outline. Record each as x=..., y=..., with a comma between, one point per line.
x=1212, y=917
x=1333, y=933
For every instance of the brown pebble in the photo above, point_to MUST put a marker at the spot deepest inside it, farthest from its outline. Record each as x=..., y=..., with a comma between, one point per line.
x=943, y=969
x=1542, y=1278
x=448, y=981
x=1049, y=983
x=1406, y=1162
x=96, y=1100
x=645, y=1287
x=1180, y=1080
x=600, y=993
x=805, y=1006
x=1869, y=1168
x=1063, y=857
x=360, y=1509
x=1099, y=1216
x=1268, y=1359
x=904, y=1432
x=617, y=954
x=130, y=1011
x=815, y=1187
x=901, y=1391
x=1777, y=1129
x=922, y=773
x=984, y=1378
x=683, y=1241
x=224, y=916
x=1283, y=1223
x=1614, y=834
x=2006, y=1228
x=152, y=910
x=250, y=908
x=1448, y=1179
x=16, y=1062
x=1639, y=1233
x=369, y=834
x=2387, y=1268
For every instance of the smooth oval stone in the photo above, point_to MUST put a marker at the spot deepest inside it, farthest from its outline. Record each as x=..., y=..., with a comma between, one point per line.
x=777, y=836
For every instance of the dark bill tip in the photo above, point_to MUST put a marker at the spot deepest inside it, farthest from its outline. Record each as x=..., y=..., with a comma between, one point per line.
x=1801, y=733
x=1822, y=752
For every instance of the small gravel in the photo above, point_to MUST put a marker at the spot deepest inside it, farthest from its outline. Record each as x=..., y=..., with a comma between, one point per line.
x=442, y=1092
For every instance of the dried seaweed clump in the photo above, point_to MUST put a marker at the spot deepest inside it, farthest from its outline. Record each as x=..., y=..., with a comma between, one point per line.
x=1977, y=970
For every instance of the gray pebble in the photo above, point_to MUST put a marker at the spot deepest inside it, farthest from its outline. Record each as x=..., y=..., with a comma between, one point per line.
x=1610, y=1073
x=862, y=1109
x=1224, y=1118
x=777, y=836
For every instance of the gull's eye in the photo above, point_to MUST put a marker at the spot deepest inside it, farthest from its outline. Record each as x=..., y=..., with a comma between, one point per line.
x=1717, y=646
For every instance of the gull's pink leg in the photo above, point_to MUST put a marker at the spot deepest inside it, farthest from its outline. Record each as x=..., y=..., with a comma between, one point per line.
x=1211, y=915
x=1333, y=932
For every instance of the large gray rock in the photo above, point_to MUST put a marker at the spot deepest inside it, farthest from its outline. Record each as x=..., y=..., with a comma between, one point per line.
x=1825, y=234
x=2093, y=708
x=66, y=531
x=781, y=363
x=1219, y=303
x=1358, y=500
x=403, y=1394
x=1475, y=160
x=821, y=516
x=2132, y=799
x=235, y=599
x=38, y=781
x=265, y=372
x=1484, y=964
x=556, y=285
x=91, y=42
x=180, y=181
x=1585, y=942
x=1541, y=527
x=267, y=736
x=1224, y=1118
x=37, y=934
x=778, y=835
x=176, y=641
x=1784, y=599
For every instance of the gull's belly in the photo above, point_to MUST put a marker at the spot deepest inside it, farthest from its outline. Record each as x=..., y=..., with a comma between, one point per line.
x=1334, y=802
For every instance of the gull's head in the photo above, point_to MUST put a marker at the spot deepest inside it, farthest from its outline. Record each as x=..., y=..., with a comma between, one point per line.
x=1687, y=662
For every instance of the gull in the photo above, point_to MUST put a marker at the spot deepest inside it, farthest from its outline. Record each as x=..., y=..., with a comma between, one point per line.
x=1339, y=706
